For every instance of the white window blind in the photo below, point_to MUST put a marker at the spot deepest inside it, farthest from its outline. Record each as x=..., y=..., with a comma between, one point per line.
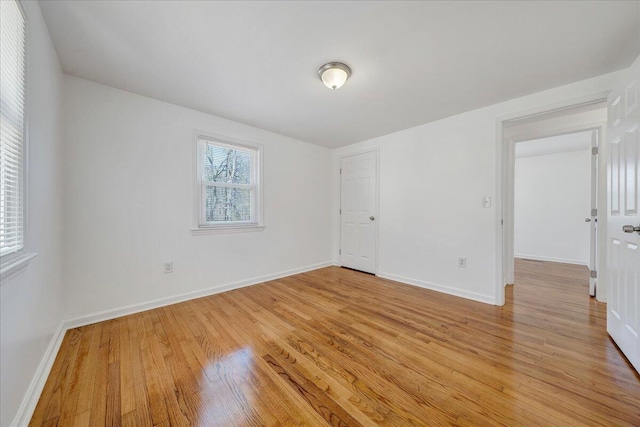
x=12, y=129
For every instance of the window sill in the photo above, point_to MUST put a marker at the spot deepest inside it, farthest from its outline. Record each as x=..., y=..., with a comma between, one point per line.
x=224, y=229
x=15, y=266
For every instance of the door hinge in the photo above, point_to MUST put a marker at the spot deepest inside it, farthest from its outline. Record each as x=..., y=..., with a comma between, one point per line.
x=340, y=171
x=594, y=150
x=339, y=251
x=340, y=211
x=502, y=222
x=594, y=274
x=594, y=212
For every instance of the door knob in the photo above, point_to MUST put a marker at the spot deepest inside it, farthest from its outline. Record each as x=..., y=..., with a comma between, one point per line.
x=587, y=220
x=631, y=229
x=372, y=218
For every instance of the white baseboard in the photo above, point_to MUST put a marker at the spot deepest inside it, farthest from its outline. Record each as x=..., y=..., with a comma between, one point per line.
x=487, y=299
x=552, y=259
x=149, y=305
x=28, y=405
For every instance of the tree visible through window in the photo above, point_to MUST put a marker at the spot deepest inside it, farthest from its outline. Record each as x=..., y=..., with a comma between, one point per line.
x=226, y=165
x=229, y=183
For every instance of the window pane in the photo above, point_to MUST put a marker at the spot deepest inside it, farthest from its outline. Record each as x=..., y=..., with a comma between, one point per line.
x=222, y=164
x=224, y=204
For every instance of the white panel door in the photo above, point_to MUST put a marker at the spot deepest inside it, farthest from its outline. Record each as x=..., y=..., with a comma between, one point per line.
x=623, y=193
x=593, y=229
x=358, y=202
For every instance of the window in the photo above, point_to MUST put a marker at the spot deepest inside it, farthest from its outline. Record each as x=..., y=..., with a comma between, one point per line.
x=228, y=184
x=12, y=131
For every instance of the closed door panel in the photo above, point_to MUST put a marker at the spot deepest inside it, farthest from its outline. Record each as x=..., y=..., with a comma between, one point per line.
x=631, y=171
x=358, y=204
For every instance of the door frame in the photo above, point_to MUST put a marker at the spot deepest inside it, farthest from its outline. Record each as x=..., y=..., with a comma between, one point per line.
x=375, y=150
x=505, y=178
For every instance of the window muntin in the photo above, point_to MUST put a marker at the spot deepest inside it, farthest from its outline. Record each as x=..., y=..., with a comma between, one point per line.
x=12, y=128
x=229, y=183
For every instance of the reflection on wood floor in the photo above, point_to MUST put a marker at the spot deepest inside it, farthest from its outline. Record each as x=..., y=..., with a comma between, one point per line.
x=338, y=347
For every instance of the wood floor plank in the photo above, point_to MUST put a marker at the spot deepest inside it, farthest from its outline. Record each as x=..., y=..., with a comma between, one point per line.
x=152, y=374
x=86, y=376
x=343, y=348
x=140, y=394
x=51, y=394
x=80, y=372
x=98, y=412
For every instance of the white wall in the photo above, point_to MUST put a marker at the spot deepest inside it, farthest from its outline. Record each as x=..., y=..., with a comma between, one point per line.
x=432, y=181
x=129, y=199
x=552, y=199
x=32, y=302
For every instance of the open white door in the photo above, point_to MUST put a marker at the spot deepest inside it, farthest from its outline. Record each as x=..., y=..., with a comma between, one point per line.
x=623, y=194
x=593, y=219
x=358, y=202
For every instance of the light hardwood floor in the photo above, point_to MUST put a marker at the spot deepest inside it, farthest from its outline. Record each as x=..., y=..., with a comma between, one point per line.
x=338, y=347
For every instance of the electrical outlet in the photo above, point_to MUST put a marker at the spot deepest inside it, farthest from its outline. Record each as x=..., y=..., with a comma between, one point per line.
x=462, y=262
x=168, y=267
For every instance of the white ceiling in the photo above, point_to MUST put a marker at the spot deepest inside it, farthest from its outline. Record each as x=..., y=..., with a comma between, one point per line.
x=412, y=62
x=556, y=144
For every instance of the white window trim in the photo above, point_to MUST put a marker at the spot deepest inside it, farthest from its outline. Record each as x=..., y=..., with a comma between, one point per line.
x=14, y=263
x=257, y=224
x=13, y=266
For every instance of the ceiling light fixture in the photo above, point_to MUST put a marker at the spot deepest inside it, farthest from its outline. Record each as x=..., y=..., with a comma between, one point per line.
x=334, y=74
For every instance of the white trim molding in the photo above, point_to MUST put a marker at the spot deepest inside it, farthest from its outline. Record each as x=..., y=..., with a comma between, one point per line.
x=487, y=299
x=32, y=395
x=15, y=266
x=226, y=229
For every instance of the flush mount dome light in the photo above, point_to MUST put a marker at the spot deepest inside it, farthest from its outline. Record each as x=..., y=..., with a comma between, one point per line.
x=334, y=74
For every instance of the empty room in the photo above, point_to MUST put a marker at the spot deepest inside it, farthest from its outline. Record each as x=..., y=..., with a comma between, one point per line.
x=319, y=213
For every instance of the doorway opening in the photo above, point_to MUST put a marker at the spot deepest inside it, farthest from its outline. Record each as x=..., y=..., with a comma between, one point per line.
x=551, y=201
x=555, y=201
